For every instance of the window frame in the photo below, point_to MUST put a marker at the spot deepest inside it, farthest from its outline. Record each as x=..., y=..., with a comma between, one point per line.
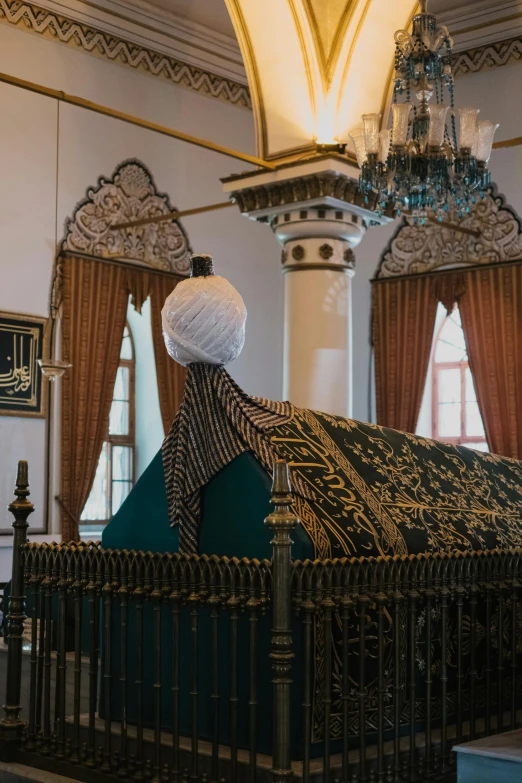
x=128, y=440
x=462, y=366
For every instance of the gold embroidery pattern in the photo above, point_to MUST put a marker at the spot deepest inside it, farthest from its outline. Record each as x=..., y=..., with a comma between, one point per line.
x=383, y=492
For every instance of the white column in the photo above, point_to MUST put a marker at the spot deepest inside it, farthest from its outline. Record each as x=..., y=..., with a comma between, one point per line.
x=318, y=264
x=319, y=215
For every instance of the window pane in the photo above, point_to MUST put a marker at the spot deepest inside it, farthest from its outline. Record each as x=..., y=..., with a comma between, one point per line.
x=470, y=387
x=474, y=426
x=122, y=463
x=449, y=419
x=451, y=345
x=119, y=418
x=480, y=445
x=120, y=490
x=449, y=385
x=121, y=387
x=126, y=345
x=97, y=503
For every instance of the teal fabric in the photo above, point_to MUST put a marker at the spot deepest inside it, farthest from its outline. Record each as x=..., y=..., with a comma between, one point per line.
x=234, y=506
x=142, y=522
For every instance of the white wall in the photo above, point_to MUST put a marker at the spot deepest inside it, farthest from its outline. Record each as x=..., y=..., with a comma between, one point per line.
x=52, y=153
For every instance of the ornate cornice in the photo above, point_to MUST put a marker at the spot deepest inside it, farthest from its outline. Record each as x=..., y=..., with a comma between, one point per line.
x=306, y=188
x=486, y=57
x=417, y=249
x=114, y=48
x=130, y=194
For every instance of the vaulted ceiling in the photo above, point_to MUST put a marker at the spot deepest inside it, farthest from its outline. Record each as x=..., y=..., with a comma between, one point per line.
x=315, y=66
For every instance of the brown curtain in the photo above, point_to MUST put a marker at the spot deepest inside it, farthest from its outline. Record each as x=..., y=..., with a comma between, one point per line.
x=491, y=311
x=95, y=297
x=403, y=321
x=171, y=375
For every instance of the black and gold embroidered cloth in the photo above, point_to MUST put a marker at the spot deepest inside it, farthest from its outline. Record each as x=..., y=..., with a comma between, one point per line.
x=383, y=492
x=360, y=489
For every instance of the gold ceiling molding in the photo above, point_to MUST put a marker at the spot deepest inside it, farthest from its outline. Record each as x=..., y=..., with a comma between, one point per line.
x=328, y=26
x=483, y=58
x=110, y=47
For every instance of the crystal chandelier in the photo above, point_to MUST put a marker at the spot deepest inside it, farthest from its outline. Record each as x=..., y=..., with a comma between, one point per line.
x=418, y=166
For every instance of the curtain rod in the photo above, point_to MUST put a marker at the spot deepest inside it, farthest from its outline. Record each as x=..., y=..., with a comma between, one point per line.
x=98, y=108
x=172, y=215
x=455, y=270
x=123, y=262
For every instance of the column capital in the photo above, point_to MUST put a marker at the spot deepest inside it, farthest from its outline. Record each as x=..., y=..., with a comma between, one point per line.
x=325, y=182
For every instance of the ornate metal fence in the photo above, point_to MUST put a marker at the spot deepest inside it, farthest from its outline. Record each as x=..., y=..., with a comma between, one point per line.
x=203, y=668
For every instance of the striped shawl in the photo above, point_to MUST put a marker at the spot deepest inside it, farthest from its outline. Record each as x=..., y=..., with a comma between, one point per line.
x=216, y=422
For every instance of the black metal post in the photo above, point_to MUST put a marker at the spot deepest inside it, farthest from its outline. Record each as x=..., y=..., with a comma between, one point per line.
x=12, y=725
x=281, y=521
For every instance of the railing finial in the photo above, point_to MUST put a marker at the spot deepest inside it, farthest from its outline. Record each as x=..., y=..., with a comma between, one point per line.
x=12, y=725
x=282, y=521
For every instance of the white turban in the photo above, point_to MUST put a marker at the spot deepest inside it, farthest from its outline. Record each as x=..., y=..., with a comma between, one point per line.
x=204, y=320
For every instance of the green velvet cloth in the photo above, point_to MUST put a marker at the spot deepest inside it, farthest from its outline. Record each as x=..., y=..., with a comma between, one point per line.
x=235, y=504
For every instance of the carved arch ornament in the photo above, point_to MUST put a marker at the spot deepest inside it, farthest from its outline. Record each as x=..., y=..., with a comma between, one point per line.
x=130, y=194
x=415, y=249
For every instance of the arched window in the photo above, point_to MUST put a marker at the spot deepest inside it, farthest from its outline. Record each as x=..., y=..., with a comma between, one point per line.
x=455, y=412
x=115, y=472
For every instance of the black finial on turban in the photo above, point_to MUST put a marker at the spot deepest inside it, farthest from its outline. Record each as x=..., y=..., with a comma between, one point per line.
x=201, y=266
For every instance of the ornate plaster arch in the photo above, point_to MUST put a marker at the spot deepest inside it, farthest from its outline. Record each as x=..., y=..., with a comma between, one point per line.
x=415, y=249
x=129, y=194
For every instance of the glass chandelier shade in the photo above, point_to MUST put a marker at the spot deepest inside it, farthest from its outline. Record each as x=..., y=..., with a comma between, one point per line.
x=420, y=165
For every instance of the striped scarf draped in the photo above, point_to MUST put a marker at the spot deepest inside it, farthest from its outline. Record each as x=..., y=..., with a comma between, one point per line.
x=216, y=422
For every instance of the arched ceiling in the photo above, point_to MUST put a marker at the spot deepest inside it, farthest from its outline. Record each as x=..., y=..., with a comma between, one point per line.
x=313, y=66
x=313, y=72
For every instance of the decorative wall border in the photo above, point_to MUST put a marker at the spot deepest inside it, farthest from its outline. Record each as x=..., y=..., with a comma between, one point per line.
x=129, y=194
x=415, y=249
x=115, y=49
x=492, y=55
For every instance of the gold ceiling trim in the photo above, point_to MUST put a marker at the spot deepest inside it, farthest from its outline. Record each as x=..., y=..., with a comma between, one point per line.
x=329, y=60
x=304, y=52
x=347, y=64
x=254, y=82
x=107, y=111
x=67, y=31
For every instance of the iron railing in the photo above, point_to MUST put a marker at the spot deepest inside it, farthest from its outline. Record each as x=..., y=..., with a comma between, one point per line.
x=195, y=668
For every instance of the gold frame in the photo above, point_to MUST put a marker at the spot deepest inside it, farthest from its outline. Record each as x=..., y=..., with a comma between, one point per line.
x=44, y=322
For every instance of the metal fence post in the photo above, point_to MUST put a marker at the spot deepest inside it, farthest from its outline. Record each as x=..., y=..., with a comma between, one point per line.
x=281, y=521
x=12, y=725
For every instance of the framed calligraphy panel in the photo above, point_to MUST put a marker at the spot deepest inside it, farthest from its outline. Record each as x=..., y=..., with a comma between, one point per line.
x=23, y=391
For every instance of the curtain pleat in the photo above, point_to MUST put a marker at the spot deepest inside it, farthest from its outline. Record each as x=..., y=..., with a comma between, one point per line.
x=95, y=300
x=95, y=297
x=491, y=312
x=171, y=375
x=403, y=321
